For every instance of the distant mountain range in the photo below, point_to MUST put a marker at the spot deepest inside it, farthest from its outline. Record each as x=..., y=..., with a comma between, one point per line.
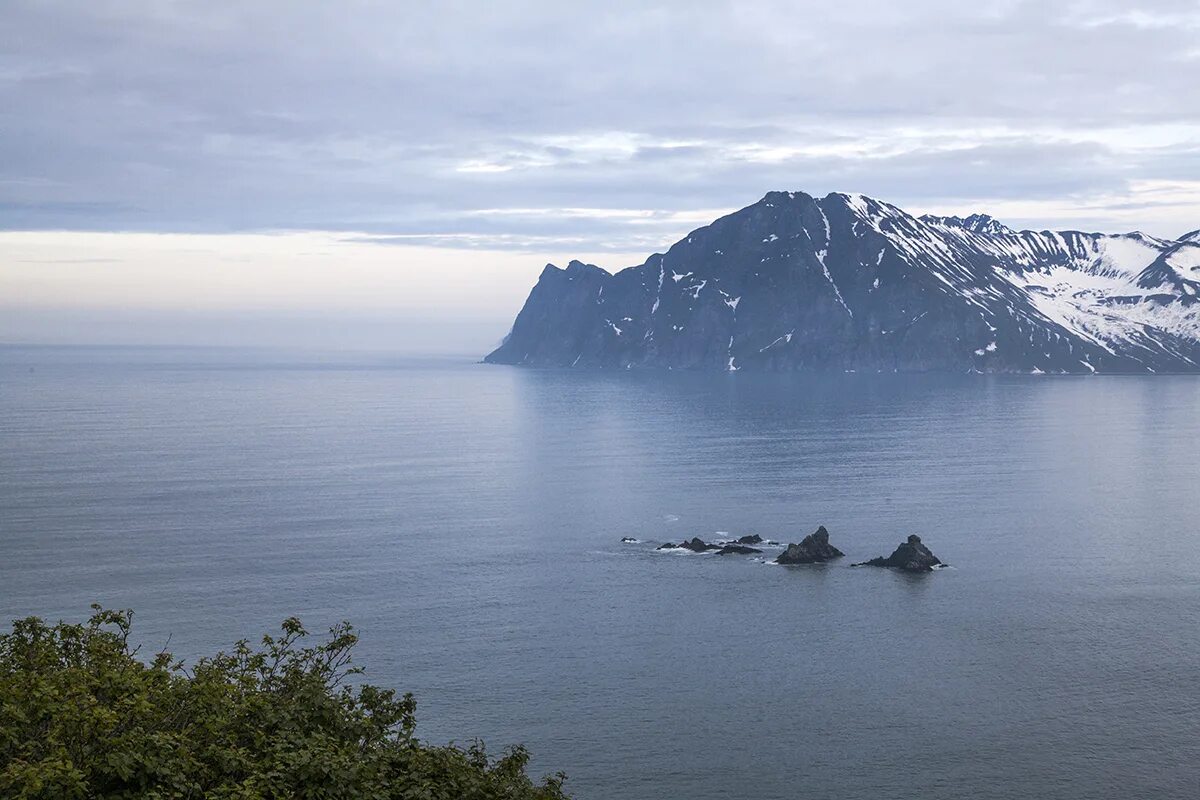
x=846, y=282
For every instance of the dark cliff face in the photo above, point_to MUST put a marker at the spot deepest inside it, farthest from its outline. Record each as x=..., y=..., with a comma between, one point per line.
x=561, y=318
x=850, y=283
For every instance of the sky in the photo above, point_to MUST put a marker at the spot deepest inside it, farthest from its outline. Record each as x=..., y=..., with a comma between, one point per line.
x=394, y=175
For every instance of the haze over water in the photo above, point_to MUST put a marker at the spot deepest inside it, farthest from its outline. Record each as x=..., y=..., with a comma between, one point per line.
x=468, y=520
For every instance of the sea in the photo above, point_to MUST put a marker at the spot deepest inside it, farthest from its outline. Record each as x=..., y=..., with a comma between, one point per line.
x=468, y=520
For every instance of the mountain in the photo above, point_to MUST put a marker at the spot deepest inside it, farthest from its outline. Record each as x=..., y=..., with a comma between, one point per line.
x=846, y=282
x=978, y=223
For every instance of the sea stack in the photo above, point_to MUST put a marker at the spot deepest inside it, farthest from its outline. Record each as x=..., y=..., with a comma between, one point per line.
x=813, y=549
x=911, y=556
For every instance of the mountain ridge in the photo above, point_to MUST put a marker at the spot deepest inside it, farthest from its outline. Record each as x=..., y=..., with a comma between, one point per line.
x=847, y=282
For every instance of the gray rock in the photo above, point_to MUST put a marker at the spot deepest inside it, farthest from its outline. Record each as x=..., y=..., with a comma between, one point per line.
x=695, y=544
x=911, y=556
x=813, y=549
x=737, y=549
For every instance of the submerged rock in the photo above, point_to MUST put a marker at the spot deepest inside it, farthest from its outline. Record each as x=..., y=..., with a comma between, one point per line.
x=813, y=549
x=630, y=540
x=911, y=556
x=737, y=549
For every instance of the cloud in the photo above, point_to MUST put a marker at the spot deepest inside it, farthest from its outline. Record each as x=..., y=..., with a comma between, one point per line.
x=468, y=125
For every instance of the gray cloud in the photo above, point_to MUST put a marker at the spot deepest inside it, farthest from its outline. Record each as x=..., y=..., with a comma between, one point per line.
x=469, y=124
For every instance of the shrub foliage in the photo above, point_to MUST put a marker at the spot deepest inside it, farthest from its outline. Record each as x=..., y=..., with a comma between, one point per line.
x=82, y=716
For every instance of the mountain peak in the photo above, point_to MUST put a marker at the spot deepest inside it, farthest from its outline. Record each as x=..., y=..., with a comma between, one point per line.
x=779, y=197
x=573, y=269
x=977, y=223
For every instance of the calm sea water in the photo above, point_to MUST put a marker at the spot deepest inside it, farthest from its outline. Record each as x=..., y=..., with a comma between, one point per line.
x=468, y=518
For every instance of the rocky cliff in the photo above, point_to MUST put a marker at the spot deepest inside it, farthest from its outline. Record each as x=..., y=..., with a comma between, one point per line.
x=846, y=282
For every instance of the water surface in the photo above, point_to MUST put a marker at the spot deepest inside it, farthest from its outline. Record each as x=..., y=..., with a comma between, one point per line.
x=468, y=518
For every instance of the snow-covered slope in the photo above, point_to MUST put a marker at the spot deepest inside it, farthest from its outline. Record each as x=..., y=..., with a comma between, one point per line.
x=852, y=283
x=978, y=223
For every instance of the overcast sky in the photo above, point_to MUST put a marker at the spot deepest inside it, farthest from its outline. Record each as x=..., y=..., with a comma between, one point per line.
x=169, y=167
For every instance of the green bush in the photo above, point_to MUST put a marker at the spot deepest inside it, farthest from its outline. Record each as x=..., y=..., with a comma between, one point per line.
x=81, y=716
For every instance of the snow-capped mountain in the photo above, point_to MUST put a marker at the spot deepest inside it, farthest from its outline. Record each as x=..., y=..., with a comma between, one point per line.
x=846, y=282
